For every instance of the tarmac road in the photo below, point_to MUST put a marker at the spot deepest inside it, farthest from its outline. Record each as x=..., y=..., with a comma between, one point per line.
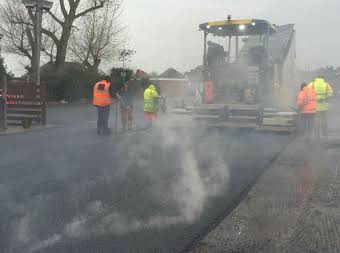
x=64, y=189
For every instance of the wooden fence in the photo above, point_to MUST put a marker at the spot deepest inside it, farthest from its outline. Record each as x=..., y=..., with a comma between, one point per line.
x=22, y=104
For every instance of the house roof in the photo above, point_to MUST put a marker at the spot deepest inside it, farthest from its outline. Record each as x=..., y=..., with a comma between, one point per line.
x=171, y=73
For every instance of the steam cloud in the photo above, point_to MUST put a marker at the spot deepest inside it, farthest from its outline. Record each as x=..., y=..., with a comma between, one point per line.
x=183, y=172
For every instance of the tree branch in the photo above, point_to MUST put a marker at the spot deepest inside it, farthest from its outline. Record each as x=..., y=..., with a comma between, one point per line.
x=101, y=5
x=25, y=52
x=55, y=18
x=21, y=23
x=29, y=36
x=62, y=6
x=51, y=35
x=50, y=55
x=30, y=13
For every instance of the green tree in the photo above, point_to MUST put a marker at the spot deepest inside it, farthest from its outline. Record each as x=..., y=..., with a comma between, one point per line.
x=119, y=75
x=72, y=82
x=3, y=70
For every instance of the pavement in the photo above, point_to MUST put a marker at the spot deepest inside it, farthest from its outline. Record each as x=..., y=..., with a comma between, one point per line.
x=17, y=130
x=65, y=189
x=294, y=206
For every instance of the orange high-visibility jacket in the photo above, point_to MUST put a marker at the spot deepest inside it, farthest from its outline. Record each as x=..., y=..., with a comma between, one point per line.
x=307, y=100
x=101, y=94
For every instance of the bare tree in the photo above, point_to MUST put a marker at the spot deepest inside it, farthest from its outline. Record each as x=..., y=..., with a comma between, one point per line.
x=16, y=28
x=98, y=37
x=125, y=55
x=16, y=25
x=69, y=11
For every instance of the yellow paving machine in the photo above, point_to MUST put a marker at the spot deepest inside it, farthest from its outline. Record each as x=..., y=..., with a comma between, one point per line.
x=249, y=75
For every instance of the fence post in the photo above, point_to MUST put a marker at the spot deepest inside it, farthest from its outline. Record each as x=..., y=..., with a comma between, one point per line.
x=43, y=95
x=3, y=105
x=2, y=113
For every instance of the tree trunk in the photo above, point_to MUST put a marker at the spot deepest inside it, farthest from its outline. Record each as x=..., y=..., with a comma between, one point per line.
x=61, y=55
x=63, y=44
x=96, y=64
x=61, y=51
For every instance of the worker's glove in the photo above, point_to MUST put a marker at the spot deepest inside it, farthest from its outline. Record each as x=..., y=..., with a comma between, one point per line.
x=118, y=96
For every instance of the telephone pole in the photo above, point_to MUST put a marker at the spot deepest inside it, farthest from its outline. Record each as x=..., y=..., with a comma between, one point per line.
x=39, y=6
x=37, y=34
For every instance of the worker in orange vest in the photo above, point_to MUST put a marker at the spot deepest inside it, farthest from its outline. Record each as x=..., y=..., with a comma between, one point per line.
x=307, y=103
x=103, y=94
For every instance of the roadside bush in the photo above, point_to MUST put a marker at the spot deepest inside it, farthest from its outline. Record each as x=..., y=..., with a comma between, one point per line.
x=70, y=82
x=137, y=85
x=119, y=75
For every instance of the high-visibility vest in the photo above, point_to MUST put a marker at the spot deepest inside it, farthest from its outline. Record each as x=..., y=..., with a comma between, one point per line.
x=323, y=91
x=101, y=94
x=307, y=101
x=208, y=92
x=150, y=96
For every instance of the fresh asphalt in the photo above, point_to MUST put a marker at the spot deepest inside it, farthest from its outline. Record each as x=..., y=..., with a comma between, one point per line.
x=64, y=189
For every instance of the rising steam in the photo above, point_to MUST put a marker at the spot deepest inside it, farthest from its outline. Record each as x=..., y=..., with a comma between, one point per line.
x=182, y=175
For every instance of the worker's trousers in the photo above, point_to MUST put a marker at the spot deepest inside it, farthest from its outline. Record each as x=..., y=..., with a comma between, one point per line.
x=103, y=119
x=127, y=117
x=322, y=124
x=307, y=128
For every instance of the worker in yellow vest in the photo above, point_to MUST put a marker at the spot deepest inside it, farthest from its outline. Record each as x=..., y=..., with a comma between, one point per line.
x=324, y=92
x=103, y=92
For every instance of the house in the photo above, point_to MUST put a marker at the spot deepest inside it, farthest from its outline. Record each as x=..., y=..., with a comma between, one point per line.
x=171, y=73
x=173, y=84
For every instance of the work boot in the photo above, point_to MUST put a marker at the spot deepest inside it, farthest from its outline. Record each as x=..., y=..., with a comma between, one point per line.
x=148, y=125
x=124, y=126
x=107, y=131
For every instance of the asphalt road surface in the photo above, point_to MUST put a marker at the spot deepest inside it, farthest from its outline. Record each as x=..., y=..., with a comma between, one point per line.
x=65, y=189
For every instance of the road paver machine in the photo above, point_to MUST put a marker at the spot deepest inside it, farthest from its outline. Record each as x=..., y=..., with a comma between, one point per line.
x=249, y=74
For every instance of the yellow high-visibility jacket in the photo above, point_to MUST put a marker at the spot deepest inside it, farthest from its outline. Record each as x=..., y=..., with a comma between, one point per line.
x=323, y=92
x=150, y=96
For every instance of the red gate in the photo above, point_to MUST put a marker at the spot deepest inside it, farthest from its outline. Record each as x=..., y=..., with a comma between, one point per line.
x=24, y=104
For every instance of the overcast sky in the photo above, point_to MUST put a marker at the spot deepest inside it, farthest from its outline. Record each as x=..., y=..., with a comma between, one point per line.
x=165, y=32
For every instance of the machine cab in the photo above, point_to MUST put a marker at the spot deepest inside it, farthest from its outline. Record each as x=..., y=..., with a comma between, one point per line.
x=235, y=60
